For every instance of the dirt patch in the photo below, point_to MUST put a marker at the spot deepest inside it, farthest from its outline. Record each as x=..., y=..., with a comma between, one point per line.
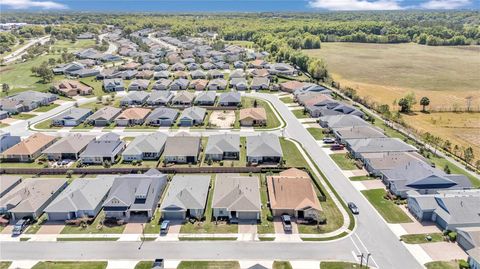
x=222, y=119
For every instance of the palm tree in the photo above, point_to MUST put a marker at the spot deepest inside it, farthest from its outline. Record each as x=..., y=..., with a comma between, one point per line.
x=424, y=102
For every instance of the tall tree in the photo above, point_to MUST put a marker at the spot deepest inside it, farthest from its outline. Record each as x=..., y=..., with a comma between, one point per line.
x=468, y=155
x=424, y=102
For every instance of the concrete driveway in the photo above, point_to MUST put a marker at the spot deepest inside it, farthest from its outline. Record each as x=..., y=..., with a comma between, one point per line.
x=51, y=228
x=444, y=251
x=281, y=235
x=247, y=230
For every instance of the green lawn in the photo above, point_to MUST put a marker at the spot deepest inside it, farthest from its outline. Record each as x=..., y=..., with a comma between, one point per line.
x=281, y=265
x=362, y=178
x=265, y=226
x=208, y=265
x=23, y=116
x=421, y=238
x=339, y=265
x=292, y=155
x=153, y=227
x=46, y=124
x=46, y=108
x=317, y=133
x=311, y=239
x=272, y=120
x=95, y=84
x=89, y=239
x=70, y=265
x=5, y=265
x=442, y=265
x=33, y=229
x=185, y=238
x=387, y=208
x=95, y=228
x=21, y=165
x=440, y=163
x=144, y=265
x=300, y=114
x=3, y=125
x=83, y=126
x=241, y=162
x=287, y=100
x=343, y=161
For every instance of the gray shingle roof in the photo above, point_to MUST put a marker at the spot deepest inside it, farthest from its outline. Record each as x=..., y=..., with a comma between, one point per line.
x=106, y=113
x=70, y=144
x=163, y=113
x=104, y=146
x=153, y=142
x=182, y=146
x=337, y=121
x=230, y=97
x=356, y=132
x=237, y=193
x=379, y=145
x=206, y=97
x=218, y=144
x=187, y=192
x=194, y=113
x=264, y=144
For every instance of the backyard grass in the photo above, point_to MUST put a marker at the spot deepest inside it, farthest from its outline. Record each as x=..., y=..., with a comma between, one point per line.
x=208, y=265
x=287, y=100
x=88, y=239
x=342, y=160
x=95, y=84
x=317, y=133
x=291, y=154
x=281, y=265
x=70, y=265
x=362, y=178
x=5, y=265
x=300, y=114
x=422, y=238
x=388, y=209
x=23, y=116
x=144, y=265
x=22, y=165
x=241, y=162
x=95, y=228
x=442, y=265
x=265, y=226
x=46, y=108
x=343, y=234
x=339, y=265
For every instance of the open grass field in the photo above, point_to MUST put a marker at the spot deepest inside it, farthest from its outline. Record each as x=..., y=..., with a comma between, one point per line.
x=385, y=72
x=389, y=211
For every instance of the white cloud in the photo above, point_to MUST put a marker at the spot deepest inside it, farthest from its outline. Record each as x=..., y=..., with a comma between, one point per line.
x=356, y=4
x=445, y=4
x=25, y=4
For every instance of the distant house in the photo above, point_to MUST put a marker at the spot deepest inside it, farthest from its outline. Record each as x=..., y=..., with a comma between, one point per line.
x=282, y=69
x=260, y=83
x=145, y=147
x=178, y=67
x=104, y=116
x=357, y=132
x=236, y=197
x=186, y=197
x=136, y=98
x=198, y=74
x=291, y=86
x=29, y=149
x=72, y=117
x=7, y=141
x=86, y=35
x=339, y=121
x=239, y=65
x=139, y=85
x=179, y=84
x=26, y=101
x=86, y=72
x=29, y=198
x=385, y=144
x=82, y=198
x=135, y=195
x=161, y=74
x=68, y=147
x=469, y=240
x=162, y=116
x=182, y=149
x=159, y=98
x=161, y=67
x=192, y=116
x=292, y=193
x=199, y=84
x=206, y=99
x=230, y=99
x=258, y=64
x=132, y=116
x=217, y=84
x=162, y=84
x=145, y=74
x=207, y=66
x=223, y=147
x=113, y=85
x=128, y=74
x=215, y=74
x=239, y=84
x=264, y=148
x=106, y=148
x=183, y=98
x=67, y=68
x=72, y=88
x=8, y=182
x=253, y=116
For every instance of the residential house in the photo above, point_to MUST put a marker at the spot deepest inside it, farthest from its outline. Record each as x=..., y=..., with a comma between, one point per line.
x=357, y=132
x=179, y=84
x=162, y=84
x=207, y=66
x=8, y=182
x=260, y=73
x=292, y=86
x=206, y=99
x=260, y=83
x=178, y=67
x=71, y=117
x=339, y=121
x=72, y=88
x=282, y=69
x=29, y=198
x=159, y=98
x=192, y=116
x=223, y=147
x=161, y=74
x=186, y=197
x=86, y=72
x=29, y=149
x=136, y=98
x=239, y=65
x=139, y=85
x=182, y=149
x=217, y=84
x=258, y=64
x=83, y=198
x=145, y=147
x=253, y=116
x=193, y=66
x=26, y=101
x=236, y=197
x=68, y=147
x=161, y=67
x=199, y=84
x=7, y=141
x=128, y=74
x=469, y=240
x=130, y=66
x=264, y=148
x=180, y=74
x=104, y=116
x=385, y=144
x=239, y=84
x=67, y=68
x=132, y=116
x=237, y=73
x=135, y=195
x=198, y=74
x=292, y=193
x=215, y=74
x=107, y=148
x=162, y=116
x=183, y=98
x=230, y=99
x=113, y=85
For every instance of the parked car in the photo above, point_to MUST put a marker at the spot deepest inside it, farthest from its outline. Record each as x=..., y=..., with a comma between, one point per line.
x=337, y=147
x=20, y=226
x=158, y=264
x=164, y=227
x=287, y=223
x=328, y=140
x=353, y=207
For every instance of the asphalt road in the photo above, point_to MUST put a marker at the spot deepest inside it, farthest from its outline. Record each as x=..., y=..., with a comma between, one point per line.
x=19, y=52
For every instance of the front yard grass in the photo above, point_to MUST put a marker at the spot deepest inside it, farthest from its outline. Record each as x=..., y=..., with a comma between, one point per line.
x=83, y=126
x=387, y=208
x=5, y=265
x=95, y=228
x=287, y=100
x=46, y=124
x=362, y=178
x=317, y=133
x=442, y=265
x=23, y=116
x=186, y=238
x=343, y=161
x=70, y=265
x=153, y=227
x=208, y=265
x=291, y=154
x=422, y=238
x=300, y=114
x=281, y=265
x=339, y=265
x=46, y=108
x=33, y=229
x=144, y=265
x=88, y=238
x=3, y=125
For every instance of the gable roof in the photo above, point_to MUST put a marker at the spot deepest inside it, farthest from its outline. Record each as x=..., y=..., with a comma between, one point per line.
x=255, y=113
x=30, y=145
x=385, y=144
x=237, y=193
x=206, y=97
x=183, y=97
x=182, y=146
x=70, y=144
x=218, y=144
x=194, y=113
x=337, y=121
x=230, y=97
x=105, y=113
x=75, y=113
x=163, y=113
x=153, y=142
x=187, y=192
x=265, y=144
x=134, y=113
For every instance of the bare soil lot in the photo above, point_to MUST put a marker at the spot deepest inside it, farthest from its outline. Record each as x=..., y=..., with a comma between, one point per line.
x=222, y=119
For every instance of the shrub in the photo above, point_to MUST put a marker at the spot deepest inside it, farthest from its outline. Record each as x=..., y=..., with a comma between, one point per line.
x=69, y=173
x=221, y=163
x=452, y=236
x=269, y=217
x=462, y=264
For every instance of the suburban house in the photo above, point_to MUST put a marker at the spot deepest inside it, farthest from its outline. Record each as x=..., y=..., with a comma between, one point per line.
x=253, y=116
x=162, y=116
x=186, y=197
x=183, y=98
x=292, y=193
x=26, y=101
x=450, y=210
x=198, y=74
x=132, y=116
x=236, y=197
x=282, y=69
x=135, y=195
x=8, y=182
x=179, y=84
x=162, y=84
x=83, y=198
x=68, y=147
x=139, y=85
x=377, y=162
x=113, y=85
x=70, y=87
x=260, y=83
x=144, y=75
x=214, y=74
x=291, y=86
x=136, y=98
x=86, y=72
x=7, y=141
x=258, y=63
x=217, y=84
x=237, y=73
x=161, y=75
x=71, y=117
x=159, y=98
x=223, y=147
x=469, y=240
x=29, y=149
x=339, y=121
x=182, y=149
x=264, y=148
x=67, y=68
x=29, y=198
x=106, y=148
x=104, y=116
x=192, y=116
x=206, y=98
x=199, y=84
x=239, y=84
x=230, y=99
x=357, y=132
x=145, y=147
x=385, y=144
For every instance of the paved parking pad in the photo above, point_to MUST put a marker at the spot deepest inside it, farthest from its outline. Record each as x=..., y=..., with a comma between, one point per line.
x=247, y=231
x=444, y=251
x=51, y=228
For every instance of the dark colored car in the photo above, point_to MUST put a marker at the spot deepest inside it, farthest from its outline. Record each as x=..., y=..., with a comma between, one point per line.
x=164, y=227
x=337, y=147
x=287, y=223
x=158, y=264
x=353, y=207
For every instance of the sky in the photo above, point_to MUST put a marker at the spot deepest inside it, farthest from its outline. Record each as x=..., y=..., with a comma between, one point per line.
x=234, y=5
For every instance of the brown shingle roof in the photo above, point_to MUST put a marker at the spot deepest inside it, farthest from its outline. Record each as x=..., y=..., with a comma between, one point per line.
x=30, y=145
x=134, y=113
x=256, y=113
